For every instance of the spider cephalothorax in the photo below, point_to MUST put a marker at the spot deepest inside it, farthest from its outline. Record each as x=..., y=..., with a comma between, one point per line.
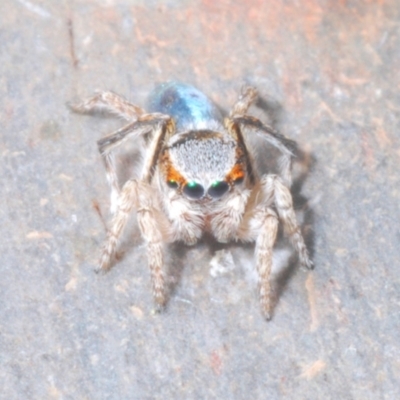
x=198, y=175
x=193, y=167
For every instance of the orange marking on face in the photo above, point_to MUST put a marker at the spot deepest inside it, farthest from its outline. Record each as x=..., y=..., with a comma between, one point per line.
x=237, y=172
x=170, y=173
x=174, y=175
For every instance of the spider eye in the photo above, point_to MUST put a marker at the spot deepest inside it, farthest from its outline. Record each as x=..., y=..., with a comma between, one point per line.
x=193, y=190
x=218, y=189
x=172, y=184
x=238, y=180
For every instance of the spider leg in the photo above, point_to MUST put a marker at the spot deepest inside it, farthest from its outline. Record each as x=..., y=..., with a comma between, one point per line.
x=247, y=98
x=284, y=206
x=286, y=146
x=260, y=224
x=110, y=103
x=140, y=195
x=126, y=201
x=153, y=226
x=140, y=124
x=115, y=139
x=264, y=222
x=263, y=253
x=105, y=145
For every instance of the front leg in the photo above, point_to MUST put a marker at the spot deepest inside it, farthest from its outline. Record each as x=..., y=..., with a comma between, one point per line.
x=263, y=253
x=272, y=191
x=156, y=123
x=286, y=146
x=261, y=224
x=187, y=221
x=284, y=206
x=153, y=227
x=155, y=230
x=226, y=220
x=110, y=103
x=125, y=202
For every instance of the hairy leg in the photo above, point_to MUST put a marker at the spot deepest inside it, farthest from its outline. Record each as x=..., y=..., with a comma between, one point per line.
x=126, y=201
x=153, y=227
x=284, y=206
x=246, y=99
x=140, y=195
x=260, y=224
x=227, y=218
x=133, y=130
x=286, y=146
x=263, y=253
x=105, y=145
x=140, y=124
x=110, y=103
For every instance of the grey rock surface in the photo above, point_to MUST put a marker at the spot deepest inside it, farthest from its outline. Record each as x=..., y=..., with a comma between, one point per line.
x=332, y=71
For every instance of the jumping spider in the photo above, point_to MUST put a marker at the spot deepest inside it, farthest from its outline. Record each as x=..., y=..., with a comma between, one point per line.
x=198, y=175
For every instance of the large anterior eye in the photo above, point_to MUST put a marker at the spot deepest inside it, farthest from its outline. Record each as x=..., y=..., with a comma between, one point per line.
x=172, y=184
x=218, y=189
x=193, y=190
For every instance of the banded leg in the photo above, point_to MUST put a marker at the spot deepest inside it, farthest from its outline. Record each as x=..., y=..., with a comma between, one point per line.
x=110, y=103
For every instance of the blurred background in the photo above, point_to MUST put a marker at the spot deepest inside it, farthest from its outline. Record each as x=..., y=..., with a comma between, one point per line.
x=331, y=70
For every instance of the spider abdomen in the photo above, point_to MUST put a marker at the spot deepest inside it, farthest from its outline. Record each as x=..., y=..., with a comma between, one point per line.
x=190, y=108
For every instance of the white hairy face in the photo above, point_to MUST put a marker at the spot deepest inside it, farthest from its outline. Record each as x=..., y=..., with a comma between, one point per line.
x=203, y=164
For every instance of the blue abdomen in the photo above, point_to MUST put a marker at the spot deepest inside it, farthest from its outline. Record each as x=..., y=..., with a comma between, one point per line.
x=189, y=107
